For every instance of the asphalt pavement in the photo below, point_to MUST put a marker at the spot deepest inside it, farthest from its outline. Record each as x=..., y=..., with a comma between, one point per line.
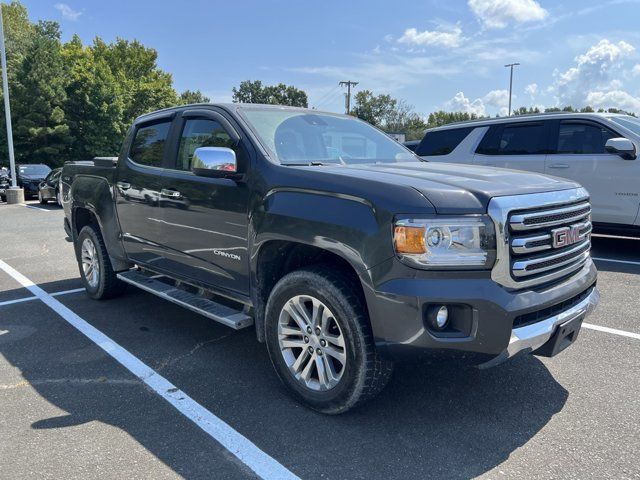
x=136, y=387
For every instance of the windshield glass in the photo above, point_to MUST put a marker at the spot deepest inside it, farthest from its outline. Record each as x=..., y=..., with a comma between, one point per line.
x=303, y=137
x=41, y=170
x=630, y=123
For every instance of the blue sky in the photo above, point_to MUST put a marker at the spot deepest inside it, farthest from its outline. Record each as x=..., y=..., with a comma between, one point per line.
x=434, y=54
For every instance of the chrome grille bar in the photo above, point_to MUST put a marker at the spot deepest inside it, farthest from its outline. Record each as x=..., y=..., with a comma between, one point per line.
x=550, y=218
x=535, y=266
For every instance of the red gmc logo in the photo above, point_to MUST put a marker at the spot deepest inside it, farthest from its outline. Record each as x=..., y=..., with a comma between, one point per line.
x=562, y=237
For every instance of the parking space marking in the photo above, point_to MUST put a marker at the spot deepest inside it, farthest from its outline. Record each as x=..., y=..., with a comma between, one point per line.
x=611, y=330
x=246, y=451
x=36, y=208
x=630, y=262
x=28, y=299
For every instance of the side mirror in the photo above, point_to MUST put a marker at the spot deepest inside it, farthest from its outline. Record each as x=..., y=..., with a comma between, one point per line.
x=621, y=146
x=213, y=161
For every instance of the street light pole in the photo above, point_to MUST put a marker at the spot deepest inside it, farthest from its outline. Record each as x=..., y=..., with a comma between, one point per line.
x=7, y=107
x=511, y=65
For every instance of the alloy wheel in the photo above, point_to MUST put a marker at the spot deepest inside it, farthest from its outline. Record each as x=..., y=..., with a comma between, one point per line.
x=90, y=263
x=312, y=343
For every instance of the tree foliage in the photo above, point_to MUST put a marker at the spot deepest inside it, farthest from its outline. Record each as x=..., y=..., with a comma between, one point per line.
x=188, y=97
x=388, y=114
x=253, y=91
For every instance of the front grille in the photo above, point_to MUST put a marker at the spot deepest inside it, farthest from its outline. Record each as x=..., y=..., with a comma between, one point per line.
x=540, y=315
x=535, y=254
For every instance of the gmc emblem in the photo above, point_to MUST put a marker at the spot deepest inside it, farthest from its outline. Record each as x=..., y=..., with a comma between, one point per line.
x=565, y=236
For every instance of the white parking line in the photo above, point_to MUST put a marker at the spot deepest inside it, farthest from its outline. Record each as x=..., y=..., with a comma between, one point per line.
x=629, y=262
x=611, y=330
x=28, y=299
x=36, y=208
x=248, y=453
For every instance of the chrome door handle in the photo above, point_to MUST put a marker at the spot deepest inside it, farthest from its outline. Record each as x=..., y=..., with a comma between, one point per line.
x=123, y=185
x=165, y=192
x=559, y=165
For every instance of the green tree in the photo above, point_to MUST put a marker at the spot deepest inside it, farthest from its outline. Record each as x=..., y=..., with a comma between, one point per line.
x=526, y=111
x=439, y=118
x=196, y=96
x=389, y=114
x=255, y=92
x=94, y=105
x=41, y=130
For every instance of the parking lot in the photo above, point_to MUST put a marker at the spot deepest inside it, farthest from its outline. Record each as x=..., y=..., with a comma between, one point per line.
x=140, y=388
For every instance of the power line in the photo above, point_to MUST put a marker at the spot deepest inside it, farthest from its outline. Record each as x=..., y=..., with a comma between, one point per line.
x=349, y=84
x=328, y=95
x=511, y=65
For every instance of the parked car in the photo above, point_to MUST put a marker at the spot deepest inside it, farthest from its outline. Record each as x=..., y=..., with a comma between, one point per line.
x=49, y=188
x=5, y=184
x=412, y=144
x=342, y=248
x=599, y=151
x=29, y=176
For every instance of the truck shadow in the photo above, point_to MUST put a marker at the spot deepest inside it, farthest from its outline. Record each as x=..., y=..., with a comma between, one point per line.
x=433, y=420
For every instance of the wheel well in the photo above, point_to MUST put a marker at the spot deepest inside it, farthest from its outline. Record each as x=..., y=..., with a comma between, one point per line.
x=277, y=258
x=81, y=218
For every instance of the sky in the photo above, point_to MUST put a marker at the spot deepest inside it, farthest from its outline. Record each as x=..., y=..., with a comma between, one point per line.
x=434, y=54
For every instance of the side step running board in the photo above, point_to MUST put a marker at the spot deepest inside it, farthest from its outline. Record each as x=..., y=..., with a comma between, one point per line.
x=210, y=309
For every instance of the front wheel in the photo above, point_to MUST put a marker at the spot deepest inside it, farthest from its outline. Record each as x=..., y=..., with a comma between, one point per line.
x=100, y=281
x=320, y=341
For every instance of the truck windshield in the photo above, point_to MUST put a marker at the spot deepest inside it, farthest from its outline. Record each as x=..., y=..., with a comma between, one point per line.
x=299, y=137
x=628, y=122
x=34, y=170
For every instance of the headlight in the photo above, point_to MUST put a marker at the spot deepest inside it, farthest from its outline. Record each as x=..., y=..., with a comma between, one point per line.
x=467, y=242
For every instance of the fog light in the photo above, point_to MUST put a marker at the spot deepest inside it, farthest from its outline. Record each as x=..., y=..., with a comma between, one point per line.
x=442, y=317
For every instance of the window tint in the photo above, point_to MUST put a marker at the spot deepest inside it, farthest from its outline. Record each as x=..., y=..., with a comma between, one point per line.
x=148, y=145
x=528, y=138
x=583, y=138
x=200, y=133
x=442, y=142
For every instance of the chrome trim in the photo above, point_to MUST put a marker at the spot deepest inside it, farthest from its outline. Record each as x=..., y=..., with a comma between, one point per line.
x=499, y=209
x=531, y=337
x=518, y=221
x=519, y=267
x=519, y=245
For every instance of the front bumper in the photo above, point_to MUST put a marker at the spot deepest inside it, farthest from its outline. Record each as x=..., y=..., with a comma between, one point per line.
x=398, y=306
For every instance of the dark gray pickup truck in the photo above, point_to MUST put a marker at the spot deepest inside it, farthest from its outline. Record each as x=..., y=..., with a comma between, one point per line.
x=343, y=249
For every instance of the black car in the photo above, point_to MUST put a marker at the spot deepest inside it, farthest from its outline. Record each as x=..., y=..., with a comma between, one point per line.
x=49, y=188
x=5, y=183
x=30, y=176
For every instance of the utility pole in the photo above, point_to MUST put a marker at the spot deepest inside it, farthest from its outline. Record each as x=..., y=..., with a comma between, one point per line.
x=348, y=84
x=14, y=195
x=511, y=65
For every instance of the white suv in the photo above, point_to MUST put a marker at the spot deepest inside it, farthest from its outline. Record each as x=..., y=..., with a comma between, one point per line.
x=596, y=150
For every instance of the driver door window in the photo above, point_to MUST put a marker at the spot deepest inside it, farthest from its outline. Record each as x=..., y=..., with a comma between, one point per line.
x=200, y=133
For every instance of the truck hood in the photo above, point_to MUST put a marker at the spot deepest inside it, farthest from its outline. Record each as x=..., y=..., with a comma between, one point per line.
x=455, y=188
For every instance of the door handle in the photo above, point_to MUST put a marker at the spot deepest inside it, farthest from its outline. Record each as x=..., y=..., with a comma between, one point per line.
x=123, y=185
x=559, y=165
x=166, y=192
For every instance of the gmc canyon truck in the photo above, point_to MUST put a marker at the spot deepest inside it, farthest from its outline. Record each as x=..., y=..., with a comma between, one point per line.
x=344, y=250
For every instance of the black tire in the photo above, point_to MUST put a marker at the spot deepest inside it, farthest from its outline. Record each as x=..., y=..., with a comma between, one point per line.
x=3, y=198
x=108, y=284
x=365, y=373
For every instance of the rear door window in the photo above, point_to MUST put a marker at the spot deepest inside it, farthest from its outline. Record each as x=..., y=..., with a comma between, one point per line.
x=442, y=142
x=524, y=138
x=583, y=138
x=149, y=143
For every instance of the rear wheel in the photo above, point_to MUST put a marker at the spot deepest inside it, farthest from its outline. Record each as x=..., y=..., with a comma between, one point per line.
x=320, y=342
x=100, y=281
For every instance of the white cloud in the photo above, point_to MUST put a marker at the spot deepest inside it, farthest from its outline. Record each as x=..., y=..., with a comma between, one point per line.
x=460, y=103
x=531, y=89
x=614, y=98
x=595, y=75
x=450, y=38
x=635, y=71
x=67, y=12
x=497, y=98
x=499, y=13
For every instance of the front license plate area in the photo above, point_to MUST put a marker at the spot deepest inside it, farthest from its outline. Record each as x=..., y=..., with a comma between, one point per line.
x=565, y=335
